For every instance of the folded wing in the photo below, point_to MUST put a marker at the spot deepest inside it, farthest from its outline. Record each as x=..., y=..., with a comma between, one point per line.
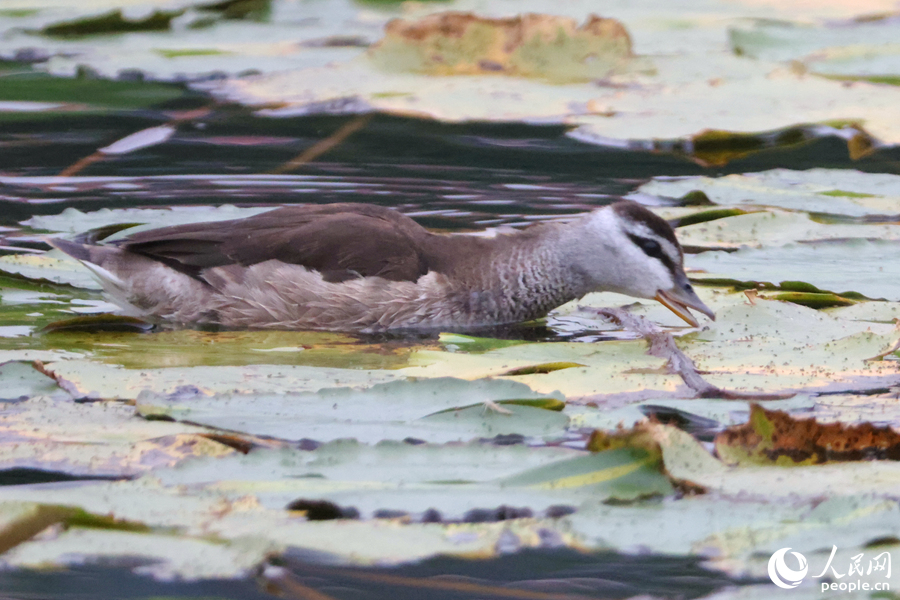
x=341, y=241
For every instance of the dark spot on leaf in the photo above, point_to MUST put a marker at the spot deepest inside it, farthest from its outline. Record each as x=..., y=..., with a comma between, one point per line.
x=323, y=510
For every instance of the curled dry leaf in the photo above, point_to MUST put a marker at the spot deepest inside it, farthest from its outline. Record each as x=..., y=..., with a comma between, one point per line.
x=773, y=436
x=645, y=437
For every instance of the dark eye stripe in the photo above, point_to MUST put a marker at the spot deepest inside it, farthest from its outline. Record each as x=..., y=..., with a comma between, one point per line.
x=652, y=249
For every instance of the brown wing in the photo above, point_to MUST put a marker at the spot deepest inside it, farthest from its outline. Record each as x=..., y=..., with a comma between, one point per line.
x=342, y=241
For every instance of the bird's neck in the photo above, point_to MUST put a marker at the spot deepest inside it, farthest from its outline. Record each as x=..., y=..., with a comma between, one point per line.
x=521, y=276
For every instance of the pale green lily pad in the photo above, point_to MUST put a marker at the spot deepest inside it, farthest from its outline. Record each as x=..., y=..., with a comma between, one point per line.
x=21, y=380
x=739, y=534
x=74, y=221
x=861, y=266
x=605, y=369
x=102, y=439
x=722, y=412
x=186, y=41
x=415, y=478
x=879, y=312
x=51, y=266
x=168, y=556
x=772, y=344
x=859, y=49
x=396, y=410
x=832, y=191
x=243, y=525
x=777, y=228
x=91, y=378
x=767, y=347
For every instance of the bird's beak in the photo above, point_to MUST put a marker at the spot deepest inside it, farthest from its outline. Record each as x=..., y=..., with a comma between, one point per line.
x=679, y=300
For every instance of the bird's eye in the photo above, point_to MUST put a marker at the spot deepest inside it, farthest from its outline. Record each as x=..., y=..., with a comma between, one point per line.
x=688, y=287
x=653, y=249
x=650, y=247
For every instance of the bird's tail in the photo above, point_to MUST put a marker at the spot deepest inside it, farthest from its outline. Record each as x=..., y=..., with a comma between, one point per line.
x=96, y=259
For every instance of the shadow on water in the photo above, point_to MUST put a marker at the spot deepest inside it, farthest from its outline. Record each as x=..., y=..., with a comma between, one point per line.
x=527, y=575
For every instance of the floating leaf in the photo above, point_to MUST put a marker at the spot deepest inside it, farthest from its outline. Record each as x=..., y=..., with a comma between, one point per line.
x=435, y=410
x=811, y=190
x=51, y=266
x=21, y=380
x=858, y=49
x=851, y=266
x=74, y=221
x=98, y=439
x=778, y=228
x=531, y=45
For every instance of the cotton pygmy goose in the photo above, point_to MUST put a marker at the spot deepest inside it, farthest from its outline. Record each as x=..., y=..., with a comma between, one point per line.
x=366, y=268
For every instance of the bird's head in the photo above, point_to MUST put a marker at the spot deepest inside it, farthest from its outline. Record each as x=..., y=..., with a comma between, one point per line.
x=625, y=248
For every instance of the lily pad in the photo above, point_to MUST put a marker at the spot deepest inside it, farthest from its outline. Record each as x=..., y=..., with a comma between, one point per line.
x=165, y=556
x=21, y=380
x=96, y=379
x=532, y=45
x=434, y=410
x=778, y=228
x=51, y=266
x=858, y=266
x=417, y=478
x=829, y=191
x=854, y=49
x=74, y=221
x=100, y=439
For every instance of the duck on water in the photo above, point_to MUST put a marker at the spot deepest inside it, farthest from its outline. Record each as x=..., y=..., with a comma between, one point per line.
x=365, y=268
